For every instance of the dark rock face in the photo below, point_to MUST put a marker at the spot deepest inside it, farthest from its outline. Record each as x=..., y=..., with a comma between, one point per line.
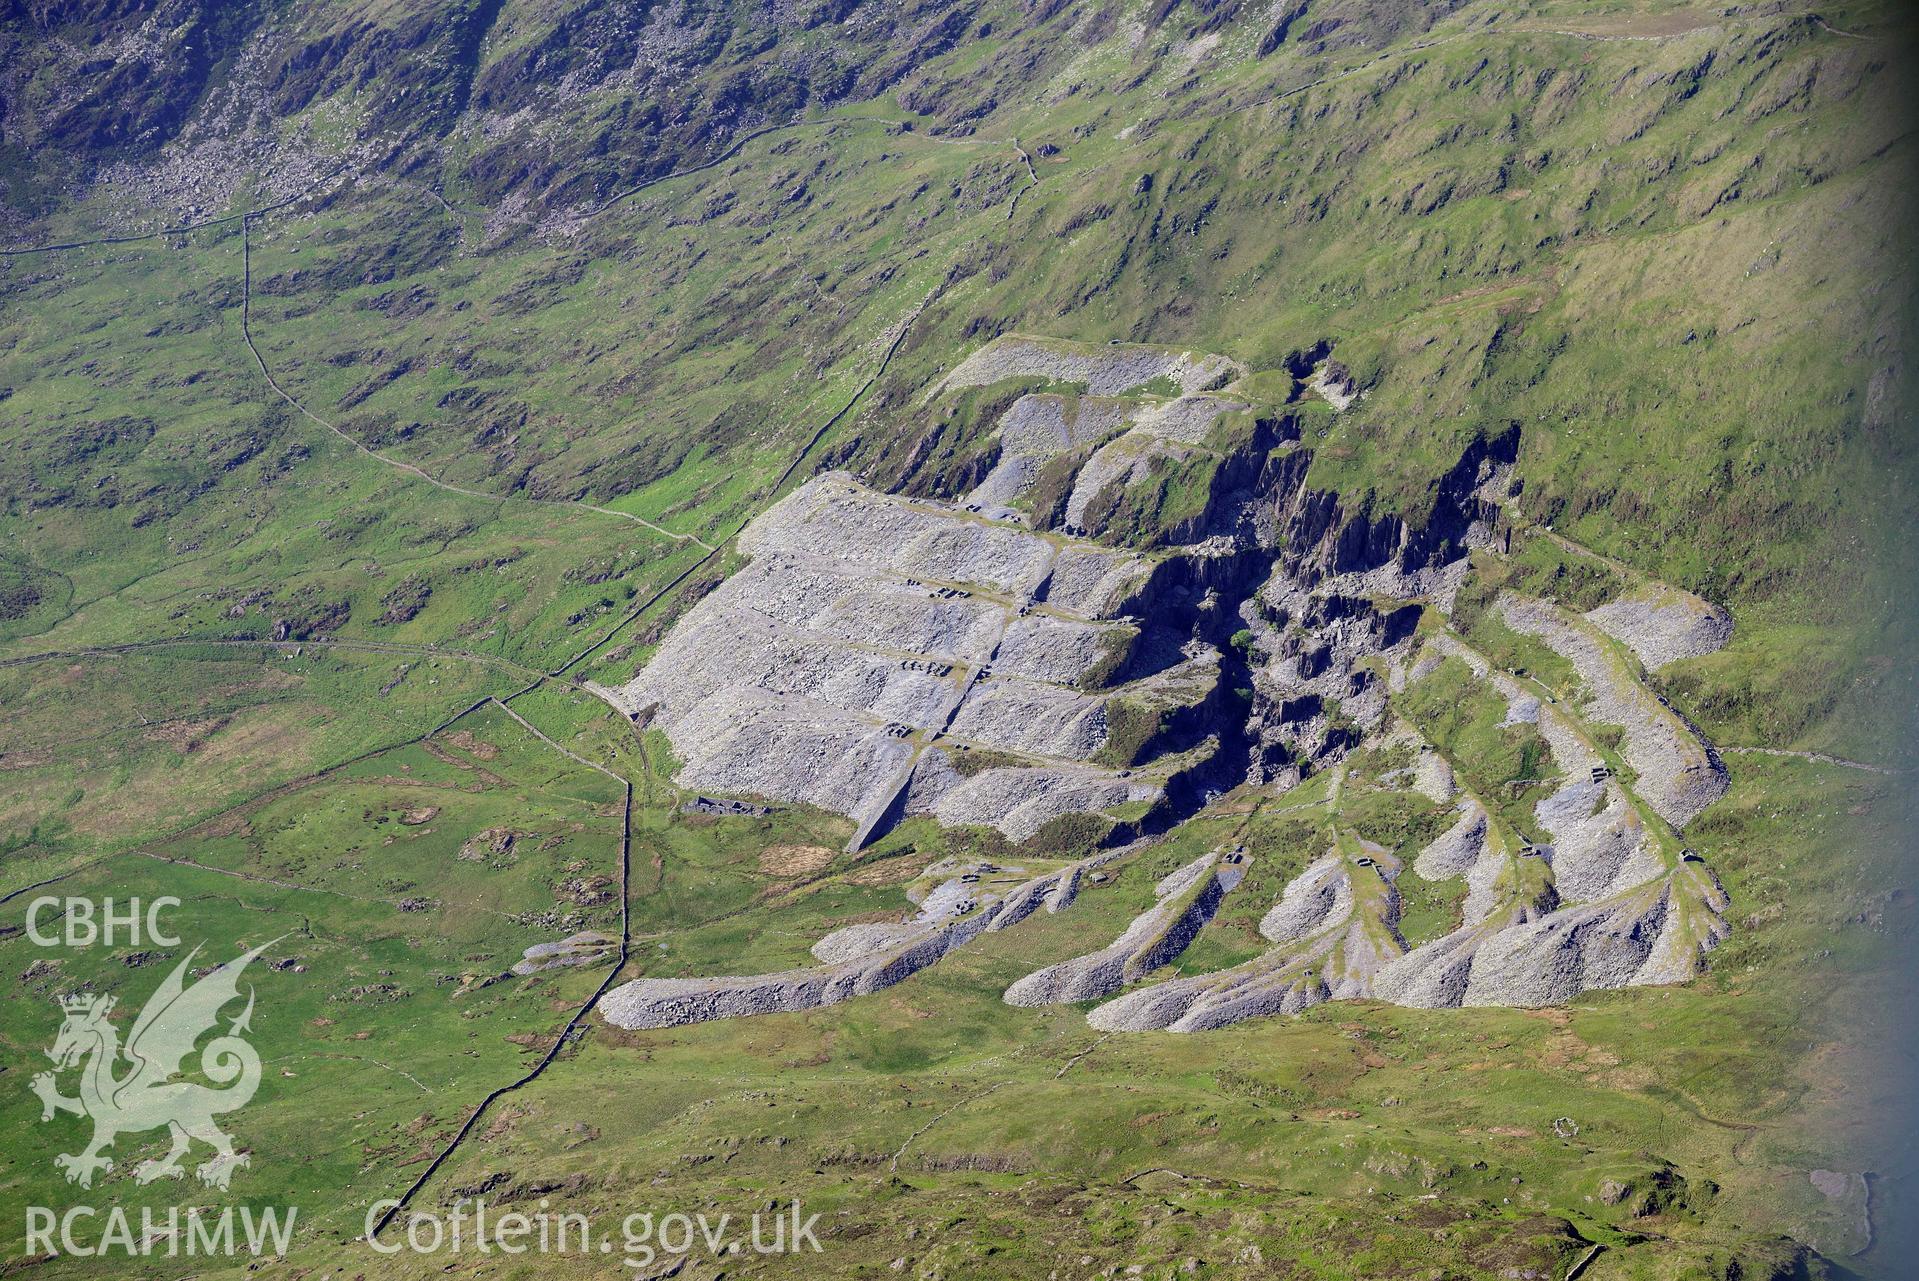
x=1328, y=605
x=113, y=74
x=1324, y=539
x=566, y=104
x=637, y=89
x=1313, y=581
x=422, y=66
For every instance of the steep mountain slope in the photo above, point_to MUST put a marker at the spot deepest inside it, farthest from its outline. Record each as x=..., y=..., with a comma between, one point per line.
x=1333, y=499
x=1458, y=212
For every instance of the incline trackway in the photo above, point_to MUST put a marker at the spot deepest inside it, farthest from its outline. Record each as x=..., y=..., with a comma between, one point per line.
x=1820, y=757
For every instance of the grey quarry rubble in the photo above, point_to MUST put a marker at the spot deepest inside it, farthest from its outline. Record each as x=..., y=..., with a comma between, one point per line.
x=1664, y=625
x=889, y=656
x=1679, y=772
x=1187, y=900
x=1104, y=370
x=1333, y=928
x=868, y=629
x=854, y=961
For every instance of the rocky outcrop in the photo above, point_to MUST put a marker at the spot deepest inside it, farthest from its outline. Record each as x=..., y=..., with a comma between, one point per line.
x=1343, y=599
x=133, y=83
x=1187, y=900
x=585, y=98
x=1334, y=382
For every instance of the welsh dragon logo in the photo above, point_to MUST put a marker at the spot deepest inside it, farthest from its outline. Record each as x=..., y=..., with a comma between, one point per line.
x=144, y=1094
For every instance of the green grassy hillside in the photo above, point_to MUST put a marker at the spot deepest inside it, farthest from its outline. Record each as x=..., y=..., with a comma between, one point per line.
x=363, y=362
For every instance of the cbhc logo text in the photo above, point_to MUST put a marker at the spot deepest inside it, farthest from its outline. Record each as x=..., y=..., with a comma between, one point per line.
x=80, y=922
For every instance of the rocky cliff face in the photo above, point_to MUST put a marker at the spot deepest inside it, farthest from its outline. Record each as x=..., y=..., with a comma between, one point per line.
x=1308, y=598
x=558, y=104
x=1343, y=599
x=1326, y=591
x=562, y=104
x=93, y=77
